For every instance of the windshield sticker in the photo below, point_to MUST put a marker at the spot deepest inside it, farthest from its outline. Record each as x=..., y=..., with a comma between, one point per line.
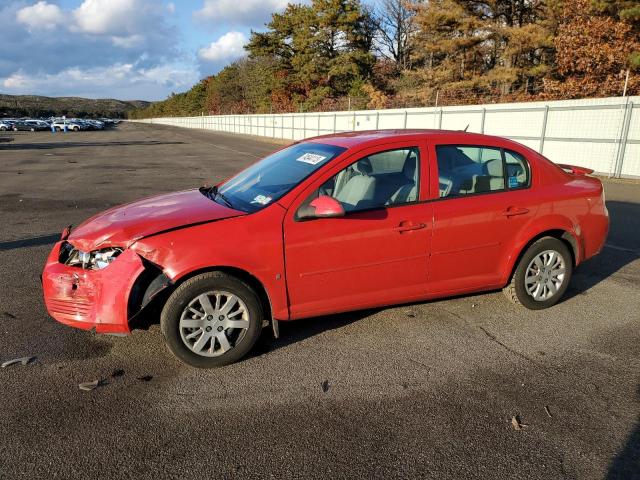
x=513, y=182
x=261, y=199
x=311, y=158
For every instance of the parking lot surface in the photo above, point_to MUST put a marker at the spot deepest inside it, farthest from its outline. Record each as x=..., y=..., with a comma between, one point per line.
x=417, y=391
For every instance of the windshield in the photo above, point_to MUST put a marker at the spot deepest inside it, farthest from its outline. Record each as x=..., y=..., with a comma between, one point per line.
x=272, y=177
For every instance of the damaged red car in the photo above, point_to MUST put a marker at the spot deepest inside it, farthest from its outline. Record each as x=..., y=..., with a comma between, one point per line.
x=330, y=224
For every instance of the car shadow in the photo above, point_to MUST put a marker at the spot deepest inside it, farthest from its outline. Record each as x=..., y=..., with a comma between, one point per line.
x=38, y=241
x=299, y=330
x=626, y=465
x=50, y=145
x=622, y=248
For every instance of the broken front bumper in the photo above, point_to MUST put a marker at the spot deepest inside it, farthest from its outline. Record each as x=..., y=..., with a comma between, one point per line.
x=91, y=298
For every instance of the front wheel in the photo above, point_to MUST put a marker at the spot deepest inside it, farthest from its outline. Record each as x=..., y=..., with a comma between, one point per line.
x=542, y=275
x=211, y=320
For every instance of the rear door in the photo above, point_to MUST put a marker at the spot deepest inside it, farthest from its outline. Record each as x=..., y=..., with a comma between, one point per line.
x=484, y=201
x=377, y=253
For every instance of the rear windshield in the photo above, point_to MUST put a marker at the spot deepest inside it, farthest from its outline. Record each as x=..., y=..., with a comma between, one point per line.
x=274, y=176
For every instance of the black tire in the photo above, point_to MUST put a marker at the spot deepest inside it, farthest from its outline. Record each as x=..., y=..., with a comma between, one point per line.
x=185, y=293
x=516, y=290
x=76, y=129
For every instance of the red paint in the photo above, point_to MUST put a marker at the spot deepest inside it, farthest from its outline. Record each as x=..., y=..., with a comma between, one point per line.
x=430, y=249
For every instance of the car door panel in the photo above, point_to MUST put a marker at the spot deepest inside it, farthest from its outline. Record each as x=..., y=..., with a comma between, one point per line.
x=472, y=238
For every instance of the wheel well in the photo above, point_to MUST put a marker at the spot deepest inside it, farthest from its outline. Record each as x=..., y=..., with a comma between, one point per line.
x=153, y=283
x=243, y=275
x=562, y=235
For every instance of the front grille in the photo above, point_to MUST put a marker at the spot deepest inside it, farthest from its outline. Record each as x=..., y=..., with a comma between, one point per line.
x=74, y=307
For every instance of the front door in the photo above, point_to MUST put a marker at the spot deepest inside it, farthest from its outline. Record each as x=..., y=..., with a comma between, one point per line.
x=377, y=253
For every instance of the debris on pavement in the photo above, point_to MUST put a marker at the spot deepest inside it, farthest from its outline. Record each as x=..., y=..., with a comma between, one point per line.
x=517, y=424
x=88, y=386
x=546, y=409
x=146, y=378
x=117, y=373
x=325, y=386
x=9, y=315
x=22, y=360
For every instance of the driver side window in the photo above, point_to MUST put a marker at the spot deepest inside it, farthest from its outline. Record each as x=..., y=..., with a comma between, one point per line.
x=376, y=181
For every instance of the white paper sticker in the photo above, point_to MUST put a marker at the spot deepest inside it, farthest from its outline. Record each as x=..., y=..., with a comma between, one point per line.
x=311, y=158
x=261, y=199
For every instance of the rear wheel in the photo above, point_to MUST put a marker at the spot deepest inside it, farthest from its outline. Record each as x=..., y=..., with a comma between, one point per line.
x=542, y=275
x=76, y=129
x=211, y=320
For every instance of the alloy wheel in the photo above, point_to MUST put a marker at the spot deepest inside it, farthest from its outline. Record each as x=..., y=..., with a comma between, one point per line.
x=545, y=275
x=214, y=323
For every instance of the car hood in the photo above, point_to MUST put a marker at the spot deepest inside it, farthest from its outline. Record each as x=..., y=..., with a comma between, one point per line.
x=123, y=225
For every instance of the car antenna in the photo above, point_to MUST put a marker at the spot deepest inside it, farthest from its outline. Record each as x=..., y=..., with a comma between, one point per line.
x=465, y=128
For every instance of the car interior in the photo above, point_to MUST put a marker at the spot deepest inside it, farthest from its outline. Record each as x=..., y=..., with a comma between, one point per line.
x=383, y=179
x=466, y=170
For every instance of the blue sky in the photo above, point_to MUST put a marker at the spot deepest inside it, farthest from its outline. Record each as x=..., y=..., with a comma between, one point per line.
x=126, y=49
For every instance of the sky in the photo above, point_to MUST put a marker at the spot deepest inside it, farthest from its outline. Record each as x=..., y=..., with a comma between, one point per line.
x=125, y=49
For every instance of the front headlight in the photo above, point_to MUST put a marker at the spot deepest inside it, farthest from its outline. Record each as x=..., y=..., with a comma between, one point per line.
x=95, y=260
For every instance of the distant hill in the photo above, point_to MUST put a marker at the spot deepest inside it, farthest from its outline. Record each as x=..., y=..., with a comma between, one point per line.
x=37, y=106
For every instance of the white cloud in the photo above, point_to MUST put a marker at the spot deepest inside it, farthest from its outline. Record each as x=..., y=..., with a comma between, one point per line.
x=115, y=17
x=171, y=8
x=42, y=15
x=242, y=12
x=227, y=47
x=130, y=41
x=122, y=80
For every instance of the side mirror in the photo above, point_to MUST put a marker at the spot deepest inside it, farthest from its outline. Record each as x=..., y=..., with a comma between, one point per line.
x=322, y=207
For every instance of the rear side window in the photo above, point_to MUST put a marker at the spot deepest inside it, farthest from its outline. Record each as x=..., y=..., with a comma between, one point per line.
x=517, y=170
x=466, y=170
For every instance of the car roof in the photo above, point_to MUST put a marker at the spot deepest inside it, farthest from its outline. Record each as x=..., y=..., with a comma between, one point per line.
x=373, y=137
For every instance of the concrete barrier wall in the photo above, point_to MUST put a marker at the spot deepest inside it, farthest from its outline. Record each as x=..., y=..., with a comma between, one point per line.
x=600, y=133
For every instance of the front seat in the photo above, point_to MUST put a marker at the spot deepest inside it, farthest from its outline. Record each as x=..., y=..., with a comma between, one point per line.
x=408, y=191
x=360, y=188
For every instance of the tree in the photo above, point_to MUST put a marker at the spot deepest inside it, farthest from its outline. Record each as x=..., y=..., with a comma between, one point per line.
x=320, y=50
x=395, y=27
x=593, y=51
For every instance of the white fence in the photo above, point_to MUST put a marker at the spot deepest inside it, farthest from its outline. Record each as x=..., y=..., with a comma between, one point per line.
x=602, y=134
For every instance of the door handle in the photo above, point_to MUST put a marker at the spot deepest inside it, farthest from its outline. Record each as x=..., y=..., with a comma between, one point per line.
x=512, y=211
x=409, y=226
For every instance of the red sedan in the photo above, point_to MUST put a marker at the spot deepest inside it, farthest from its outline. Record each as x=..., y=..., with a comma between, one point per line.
x=330, y=224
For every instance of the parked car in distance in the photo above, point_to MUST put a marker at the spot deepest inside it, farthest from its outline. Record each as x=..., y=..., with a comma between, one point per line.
x=38, y=125
x=22, y=126
x=331, y=224
x=6, y=125
x=59, y=124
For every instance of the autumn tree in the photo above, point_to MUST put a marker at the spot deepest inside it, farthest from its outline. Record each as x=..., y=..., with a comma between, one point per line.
x=595, y=44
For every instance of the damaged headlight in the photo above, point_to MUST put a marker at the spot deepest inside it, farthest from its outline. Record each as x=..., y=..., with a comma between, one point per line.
x=96, y=260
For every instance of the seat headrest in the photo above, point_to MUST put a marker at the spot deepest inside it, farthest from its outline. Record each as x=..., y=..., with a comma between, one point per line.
x=363, y=166
x=494, y=168
x=409, y=169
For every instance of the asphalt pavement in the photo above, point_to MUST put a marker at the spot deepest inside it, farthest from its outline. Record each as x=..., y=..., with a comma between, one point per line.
x=428, y=390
